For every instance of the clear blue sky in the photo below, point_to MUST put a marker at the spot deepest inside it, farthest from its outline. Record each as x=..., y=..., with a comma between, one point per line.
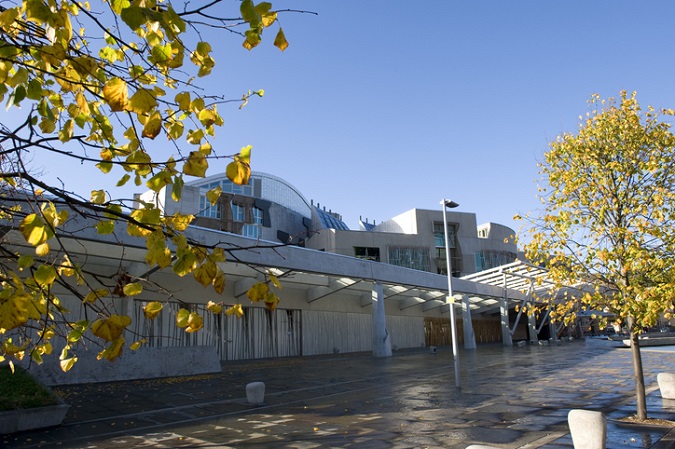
x=378, y=107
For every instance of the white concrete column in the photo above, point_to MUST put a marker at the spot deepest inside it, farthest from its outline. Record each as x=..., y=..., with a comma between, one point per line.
x=469, y=335
x=506, y=332
x=381, y=337
x=532, y=327
x=552, y=328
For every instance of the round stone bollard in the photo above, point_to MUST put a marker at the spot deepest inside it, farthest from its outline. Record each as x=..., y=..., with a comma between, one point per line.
x=666, y=385
x=255, y=393
x=588, y=429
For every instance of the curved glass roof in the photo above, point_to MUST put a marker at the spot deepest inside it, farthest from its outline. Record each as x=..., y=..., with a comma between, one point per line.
x=272, y=188
x=329, y=221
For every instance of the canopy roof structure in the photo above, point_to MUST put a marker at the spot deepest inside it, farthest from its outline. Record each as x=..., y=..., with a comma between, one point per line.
x=318, y=273
x=516, y=275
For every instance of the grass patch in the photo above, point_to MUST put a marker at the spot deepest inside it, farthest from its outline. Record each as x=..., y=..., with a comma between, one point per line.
x=18, y=390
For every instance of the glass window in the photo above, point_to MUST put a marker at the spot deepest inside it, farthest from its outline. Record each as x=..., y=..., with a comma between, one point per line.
x=237, y=212
x=205, y=208
x=480, y=262
x=439, y=235
x=410, y=257
x=363, y=252
x=254, y=230
x=439, y=243
x=490, y=259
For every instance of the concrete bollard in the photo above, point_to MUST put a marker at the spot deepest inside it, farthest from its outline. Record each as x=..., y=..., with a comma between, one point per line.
x=666, y=385
x=588, y=429
x=255, y=393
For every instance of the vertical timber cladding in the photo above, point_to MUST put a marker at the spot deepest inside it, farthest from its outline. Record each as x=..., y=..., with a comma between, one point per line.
x=258, y=334
x=437, y=331
x=327, y=332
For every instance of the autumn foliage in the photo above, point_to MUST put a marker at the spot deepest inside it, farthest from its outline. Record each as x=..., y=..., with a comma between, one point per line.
x=98, y=84
x=608, y=222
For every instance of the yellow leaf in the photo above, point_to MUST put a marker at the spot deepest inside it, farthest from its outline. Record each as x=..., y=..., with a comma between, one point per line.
x=214, y=308
x=196, y=165
x=34, y=230
x=205, y=273
x=194, y=323
x=115, y=93
x=235, y=310
x=133, y=289
x=13, y=311
x=113, y=350
x=25, y=261
x=67, y=364
x=183, y=100
x=275, y=281
x=42, y=250
x=180, y=222
x=271, y=301
x=213, y=195
x=219, y=282
x=110, y=328
x=182, y=318
x=7, y=17
x=142, y=102
x=280, y=40
x=95, y=295
x=258, y=291
x=45, y=275
x=152, y=310
x=185, y=264
x=105, y=227
x=239, y=170
x=98, y=196
x=137, y=344
x=153, y=126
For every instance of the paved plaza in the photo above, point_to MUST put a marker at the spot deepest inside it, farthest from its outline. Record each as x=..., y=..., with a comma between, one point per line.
x=511, y=397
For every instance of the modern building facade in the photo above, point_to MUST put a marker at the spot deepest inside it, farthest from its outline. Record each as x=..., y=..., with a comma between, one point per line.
x=378, y=289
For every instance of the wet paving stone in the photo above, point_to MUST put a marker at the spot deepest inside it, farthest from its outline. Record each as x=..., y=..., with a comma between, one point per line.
x=510, y=397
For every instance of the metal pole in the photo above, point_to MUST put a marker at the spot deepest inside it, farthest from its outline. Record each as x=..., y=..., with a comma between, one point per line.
x=451, y=299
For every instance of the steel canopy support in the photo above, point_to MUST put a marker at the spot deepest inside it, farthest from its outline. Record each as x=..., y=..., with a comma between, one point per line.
x=504, y=312
x=381, y=337
x=469, y=336
x=532, y=327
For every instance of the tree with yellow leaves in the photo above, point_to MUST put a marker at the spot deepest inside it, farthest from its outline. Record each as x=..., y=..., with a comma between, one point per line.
x=608, y=223
x=98, y=83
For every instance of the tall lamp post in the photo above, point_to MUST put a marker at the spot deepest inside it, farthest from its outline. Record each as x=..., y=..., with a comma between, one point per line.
x=451, y=300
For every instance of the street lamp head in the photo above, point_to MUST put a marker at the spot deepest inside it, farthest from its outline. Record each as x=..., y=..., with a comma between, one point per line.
x=449, y=204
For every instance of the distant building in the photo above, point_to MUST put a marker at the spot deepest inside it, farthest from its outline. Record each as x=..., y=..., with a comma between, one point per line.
x=415, y=239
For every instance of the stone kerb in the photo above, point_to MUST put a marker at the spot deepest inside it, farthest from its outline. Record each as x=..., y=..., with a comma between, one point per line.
x=588, y=429
x=255, y=393
x=666, y=383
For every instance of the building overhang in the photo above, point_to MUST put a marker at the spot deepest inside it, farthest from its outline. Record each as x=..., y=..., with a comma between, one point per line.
x=319, y=274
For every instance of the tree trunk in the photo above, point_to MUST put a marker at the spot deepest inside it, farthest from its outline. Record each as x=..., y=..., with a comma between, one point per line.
x=640, y=398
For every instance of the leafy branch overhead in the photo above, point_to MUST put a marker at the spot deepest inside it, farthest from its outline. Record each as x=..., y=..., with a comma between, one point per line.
x=116, y=85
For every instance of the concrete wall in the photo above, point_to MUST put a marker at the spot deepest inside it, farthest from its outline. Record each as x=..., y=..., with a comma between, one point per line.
x=144, y=363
